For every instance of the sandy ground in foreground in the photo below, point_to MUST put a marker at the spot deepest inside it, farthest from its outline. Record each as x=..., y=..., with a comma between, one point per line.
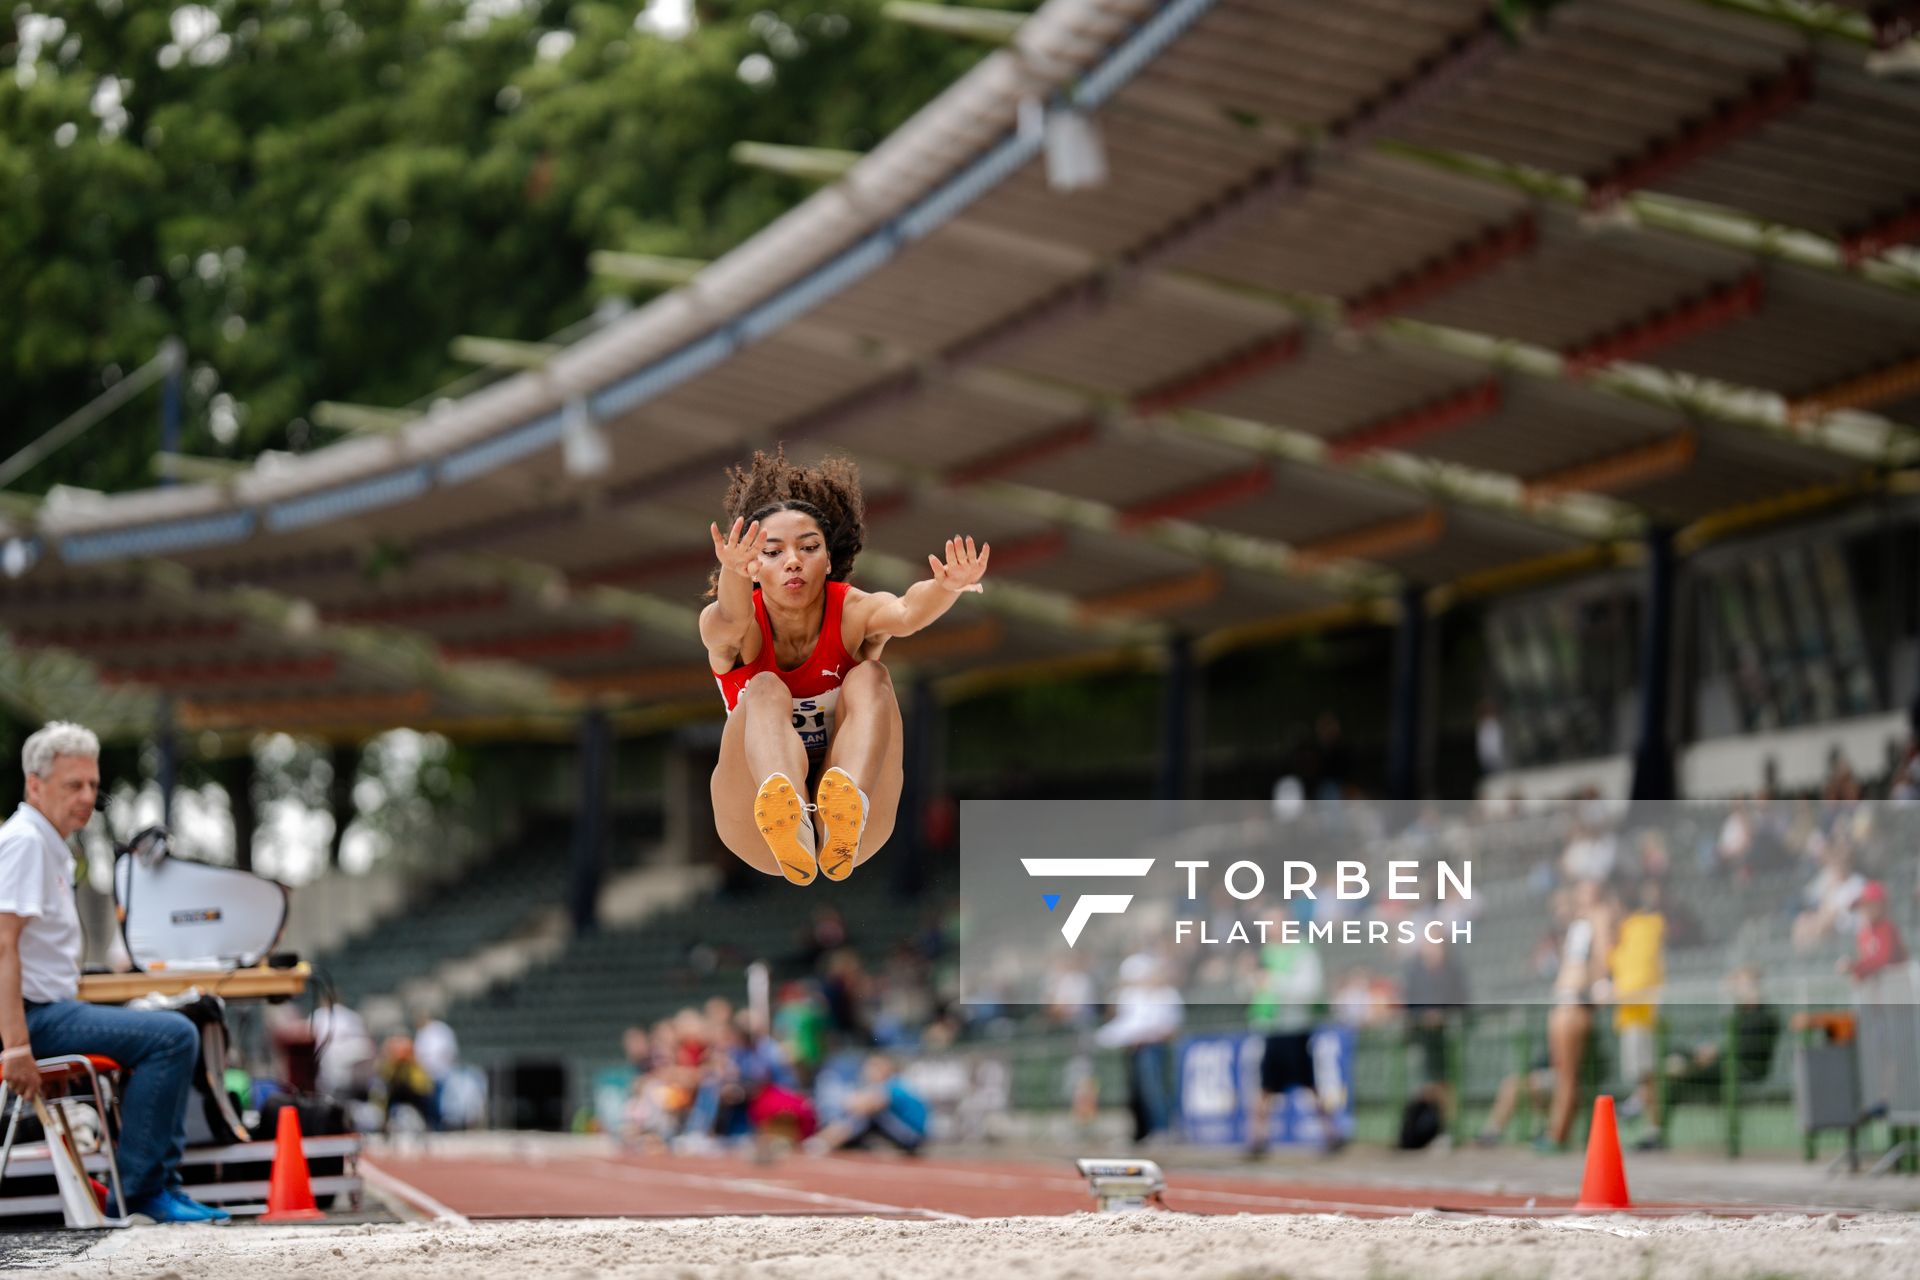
x=1081, y=1247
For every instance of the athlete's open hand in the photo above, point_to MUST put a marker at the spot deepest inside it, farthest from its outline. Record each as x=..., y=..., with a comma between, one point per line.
x=964, y=566
x=738, y=551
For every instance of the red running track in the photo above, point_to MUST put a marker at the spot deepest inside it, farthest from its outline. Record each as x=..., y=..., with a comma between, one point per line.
x=884, y=1186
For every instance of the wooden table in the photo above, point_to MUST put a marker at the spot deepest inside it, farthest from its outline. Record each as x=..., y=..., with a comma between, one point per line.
x=258, y=983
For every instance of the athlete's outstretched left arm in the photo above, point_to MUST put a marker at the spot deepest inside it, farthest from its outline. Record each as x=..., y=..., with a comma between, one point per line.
x=902, y=615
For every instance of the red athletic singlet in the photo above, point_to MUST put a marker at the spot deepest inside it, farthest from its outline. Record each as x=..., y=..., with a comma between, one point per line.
x=814, y=684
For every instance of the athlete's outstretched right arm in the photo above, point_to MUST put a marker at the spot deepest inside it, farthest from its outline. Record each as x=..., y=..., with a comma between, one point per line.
x=726, y=623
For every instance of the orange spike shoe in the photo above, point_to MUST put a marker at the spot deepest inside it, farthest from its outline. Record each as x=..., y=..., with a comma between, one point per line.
x=781, y=816
x=843, y=811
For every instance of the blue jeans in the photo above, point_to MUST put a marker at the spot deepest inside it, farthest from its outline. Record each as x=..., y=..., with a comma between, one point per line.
x=157, y=1049
x=1150, y=1086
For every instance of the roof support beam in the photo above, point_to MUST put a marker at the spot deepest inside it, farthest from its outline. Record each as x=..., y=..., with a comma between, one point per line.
x=1626, y=469
x=565, y=643
x=1022, y=454
x=1049, y=609
x=135, y=635
x=1435, y=417
x=200, y=675
x=1863, y=437
x=391, y=709
x=1670, y=325
x=420, y=608
x=361, y=419
x=1161, y=597
x=503, y=353
x=644, y=268
x=189, y=469
x=1465, y=262
x=1730, y=122
x=1713, y=224
x=1873, y=240
x=1885, y=385
x=1230, y=371
x=1583, y=516
x=810, y=164
x=992, y=26
x=1219, y=492
x=1380, y=541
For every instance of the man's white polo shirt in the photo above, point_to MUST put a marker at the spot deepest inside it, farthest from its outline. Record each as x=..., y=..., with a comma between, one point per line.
x=36, y=881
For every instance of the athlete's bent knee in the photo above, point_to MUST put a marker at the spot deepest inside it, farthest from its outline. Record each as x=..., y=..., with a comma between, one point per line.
x=867, y=677
x=766, y=687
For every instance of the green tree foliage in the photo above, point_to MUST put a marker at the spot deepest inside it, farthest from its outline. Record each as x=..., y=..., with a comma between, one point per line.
x=318, y=194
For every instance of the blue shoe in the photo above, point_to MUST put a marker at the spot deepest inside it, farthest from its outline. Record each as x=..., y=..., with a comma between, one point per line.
x=168, y=1206
x=204, y=1212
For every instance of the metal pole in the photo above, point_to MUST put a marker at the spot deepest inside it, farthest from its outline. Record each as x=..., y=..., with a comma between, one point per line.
x=167, y=769
x=170, y=401
x=1653, y=766
x=1409, y=695
x=590, y=821
x=1176, y=721
x=168, y=362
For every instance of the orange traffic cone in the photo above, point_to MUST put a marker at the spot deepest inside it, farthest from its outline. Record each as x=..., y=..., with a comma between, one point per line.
x=1605, y=1184
x=289, y=1195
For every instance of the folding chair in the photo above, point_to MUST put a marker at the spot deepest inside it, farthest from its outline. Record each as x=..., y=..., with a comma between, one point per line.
x=100, y=1074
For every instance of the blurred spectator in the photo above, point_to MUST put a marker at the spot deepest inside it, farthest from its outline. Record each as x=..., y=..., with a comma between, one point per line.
x=905, y=1000
x=848, y=990
x=1363, y=998
x=1289, y=798
x=1071, y=996
x=1544, y=960
x=1829, y=897
x=800, y=1025
x=1735, y=843
x=345, y=1048
x=438, y=1052
x=1654, y=860
x=885, y=1108
x=1883, y=987
x=1489, y=740
x=1578, y=986
x=1334, y=763
x=1436, y=996
x=1590, y=854
x=1699, y=1074
x=637, y=1049
x=1877, y=943
x=1841, y=786
x=1905, y=787
x=1534, y=1085
x=1638, y=970
x=1147, y=1014
x=1288, y=1003
x=825, y=933
x=402, y=1084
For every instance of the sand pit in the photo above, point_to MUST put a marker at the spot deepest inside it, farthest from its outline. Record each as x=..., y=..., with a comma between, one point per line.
x=1080, y=1247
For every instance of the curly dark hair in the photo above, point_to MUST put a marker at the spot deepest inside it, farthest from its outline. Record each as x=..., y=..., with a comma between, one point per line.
x=828, y=491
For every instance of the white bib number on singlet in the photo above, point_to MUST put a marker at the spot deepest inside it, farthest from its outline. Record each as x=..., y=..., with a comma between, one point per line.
x=813, y=718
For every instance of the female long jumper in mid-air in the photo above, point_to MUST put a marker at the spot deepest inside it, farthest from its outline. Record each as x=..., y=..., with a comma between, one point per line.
x=810, y=708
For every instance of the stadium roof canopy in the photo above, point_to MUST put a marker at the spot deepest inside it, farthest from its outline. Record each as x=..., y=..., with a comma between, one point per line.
x=1371, y=295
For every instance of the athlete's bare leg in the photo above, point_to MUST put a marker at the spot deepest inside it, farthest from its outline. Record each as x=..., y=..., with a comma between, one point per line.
x=759, y=741
x=866, y=747
x=1567, y=1028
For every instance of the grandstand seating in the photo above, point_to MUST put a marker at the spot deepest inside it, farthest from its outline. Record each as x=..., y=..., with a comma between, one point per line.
x=481, y=903
x=575, y=1006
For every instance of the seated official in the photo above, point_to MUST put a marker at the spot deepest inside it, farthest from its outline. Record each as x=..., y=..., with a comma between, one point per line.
x=40, y=953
